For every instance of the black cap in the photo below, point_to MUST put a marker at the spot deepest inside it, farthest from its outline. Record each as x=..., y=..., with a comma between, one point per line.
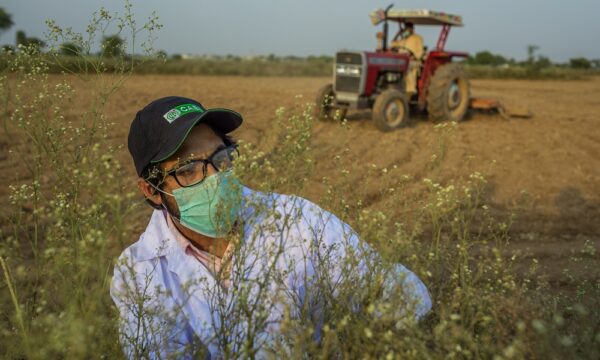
x=160, y=128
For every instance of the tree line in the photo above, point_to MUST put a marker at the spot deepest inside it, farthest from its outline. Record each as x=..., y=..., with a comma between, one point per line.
x=533, y=60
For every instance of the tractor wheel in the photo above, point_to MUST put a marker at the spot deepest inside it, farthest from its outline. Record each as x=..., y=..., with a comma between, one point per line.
x=325, y=108
x=390, y=110
x=449, y=94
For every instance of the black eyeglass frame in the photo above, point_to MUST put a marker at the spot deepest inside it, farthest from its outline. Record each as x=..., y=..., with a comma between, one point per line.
x=230, y=150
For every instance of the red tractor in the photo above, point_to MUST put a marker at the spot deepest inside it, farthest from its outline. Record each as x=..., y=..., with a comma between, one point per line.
x=376, y=79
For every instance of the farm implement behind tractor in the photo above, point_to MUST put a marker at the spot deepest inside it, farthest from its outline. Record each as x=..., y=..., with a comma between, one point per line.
x=377, y=79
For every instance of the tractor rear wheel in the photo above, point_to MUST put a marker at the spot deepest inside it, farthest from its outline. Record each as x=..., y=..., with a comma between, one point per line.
x=390, y=110
x=325, y=105
x=449, y=93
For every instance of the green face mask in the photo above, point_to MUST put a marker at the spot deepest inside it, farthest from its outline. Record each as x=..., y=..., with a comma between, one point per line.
x=210, y=207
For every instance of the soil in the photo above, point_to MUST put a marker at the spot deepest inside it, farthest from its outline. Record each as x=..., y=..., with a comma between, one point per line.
x=553, y=158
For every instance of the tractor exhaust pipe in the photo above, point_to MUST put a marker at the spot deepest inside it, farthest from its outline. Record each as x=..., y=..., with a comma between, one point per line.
x=385, y=27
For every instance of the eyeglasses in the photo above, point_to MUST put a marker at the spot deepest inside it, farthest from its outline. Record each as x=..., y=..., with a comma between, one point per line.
x=194, y=171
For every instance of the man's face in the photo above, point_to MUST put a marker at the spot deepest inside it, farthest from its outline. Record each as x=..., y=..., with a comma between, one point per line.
x=200, y=144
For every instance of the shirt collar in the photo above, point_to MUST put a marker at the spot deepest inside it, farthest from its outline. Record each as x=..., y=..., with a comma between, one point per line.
x=157, y=240
x=181, y=240
x=186, y=245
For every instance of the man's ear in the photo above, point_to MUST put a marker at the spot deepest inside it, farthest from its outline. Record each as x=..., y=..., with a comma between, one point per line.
x=149, y=191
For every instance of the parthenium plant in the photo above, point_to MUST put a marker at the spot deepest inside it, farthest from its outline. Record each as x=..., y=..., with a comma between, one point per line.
x=68, y=205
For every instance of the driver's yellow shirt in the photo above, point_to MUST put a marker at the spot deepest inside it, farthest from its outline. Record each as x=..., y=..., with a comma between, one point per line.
x=413, y=43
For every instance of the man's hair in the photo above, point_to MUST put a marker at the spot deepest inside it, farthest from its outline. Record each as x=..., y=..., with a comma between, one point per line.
x=152, y=173
x=409, y=25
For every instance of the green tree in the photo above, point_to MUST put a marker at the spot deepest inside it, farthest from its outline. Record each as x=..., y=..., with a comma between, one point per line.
x=543, y=62
x=113, y=46
x=31, y=42
x=161, y=54
x=580, y=63
x=531, y=49
x=5, y=20
x=21, y=38
x=70, y=49
x=487, y=58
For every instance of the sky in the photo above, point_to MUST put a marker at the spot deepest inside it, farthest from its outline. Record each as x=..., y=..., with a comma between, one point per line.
x=561, y=29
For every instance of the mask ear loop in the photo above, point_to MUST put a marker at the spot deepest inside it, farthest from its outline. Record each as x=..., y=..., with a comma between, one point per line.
x=176, y=218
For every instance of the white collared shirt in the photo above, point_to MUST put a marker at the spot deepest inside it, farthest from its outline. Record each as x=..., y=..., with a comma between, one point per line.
x=170, y=304
x=211, y=262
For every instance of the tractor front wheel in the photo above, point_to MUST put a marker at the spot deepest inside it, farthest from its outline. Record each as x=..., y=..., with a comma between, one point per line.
x=325, y=105
x=448, y=94
x=390, y=110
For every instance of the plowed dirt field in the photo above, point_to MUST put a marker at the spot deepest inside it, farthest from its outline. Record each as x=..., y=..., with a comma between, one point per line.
x=553, y=157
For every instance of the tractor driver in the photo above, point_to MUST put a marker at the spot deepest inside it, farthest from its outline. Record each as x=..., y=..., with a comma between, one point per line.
x=411, y=43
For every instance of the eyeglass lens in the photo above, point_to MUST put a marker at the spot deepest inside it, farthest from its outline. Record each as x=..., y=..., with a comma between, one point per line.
x=195, y=171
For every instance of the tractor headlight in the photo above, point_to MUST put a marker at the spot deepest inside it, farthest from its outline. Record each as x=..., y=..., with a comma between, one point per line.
x=341, y=69
x=354, y=71
x=348, y=70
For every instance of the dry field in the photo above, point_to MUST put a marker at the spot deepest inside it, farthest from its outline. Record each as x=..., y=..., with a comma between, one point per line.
x=547, y=169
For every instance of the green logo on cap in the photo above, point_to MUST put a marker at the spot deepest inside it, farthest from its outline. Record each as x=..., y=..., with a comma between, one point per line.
x=176, y=112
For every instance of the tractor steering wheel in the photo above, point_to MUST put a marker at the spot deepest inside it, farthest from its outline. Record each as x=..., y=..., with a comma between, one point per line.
x=412, y=54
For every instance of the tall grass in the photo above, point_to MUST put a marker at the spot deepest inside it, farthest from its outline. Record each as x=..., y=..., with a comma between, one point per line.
x=260, y=66
x=529, y=73
x=68, y=204
x=70, y=214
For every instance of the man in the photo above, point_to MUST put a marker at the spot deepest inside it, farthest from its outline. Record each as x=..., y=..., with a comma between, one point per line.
x=220, y=266
x=412, y=43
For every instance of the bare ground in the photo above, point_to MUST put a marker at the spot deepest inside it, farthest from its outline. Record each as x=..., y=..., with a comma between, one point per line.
x=547, y=169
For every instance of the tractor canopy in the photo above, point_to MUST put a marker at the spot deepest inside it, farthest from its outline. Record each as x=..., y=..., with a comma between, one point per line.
x=417, y=17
